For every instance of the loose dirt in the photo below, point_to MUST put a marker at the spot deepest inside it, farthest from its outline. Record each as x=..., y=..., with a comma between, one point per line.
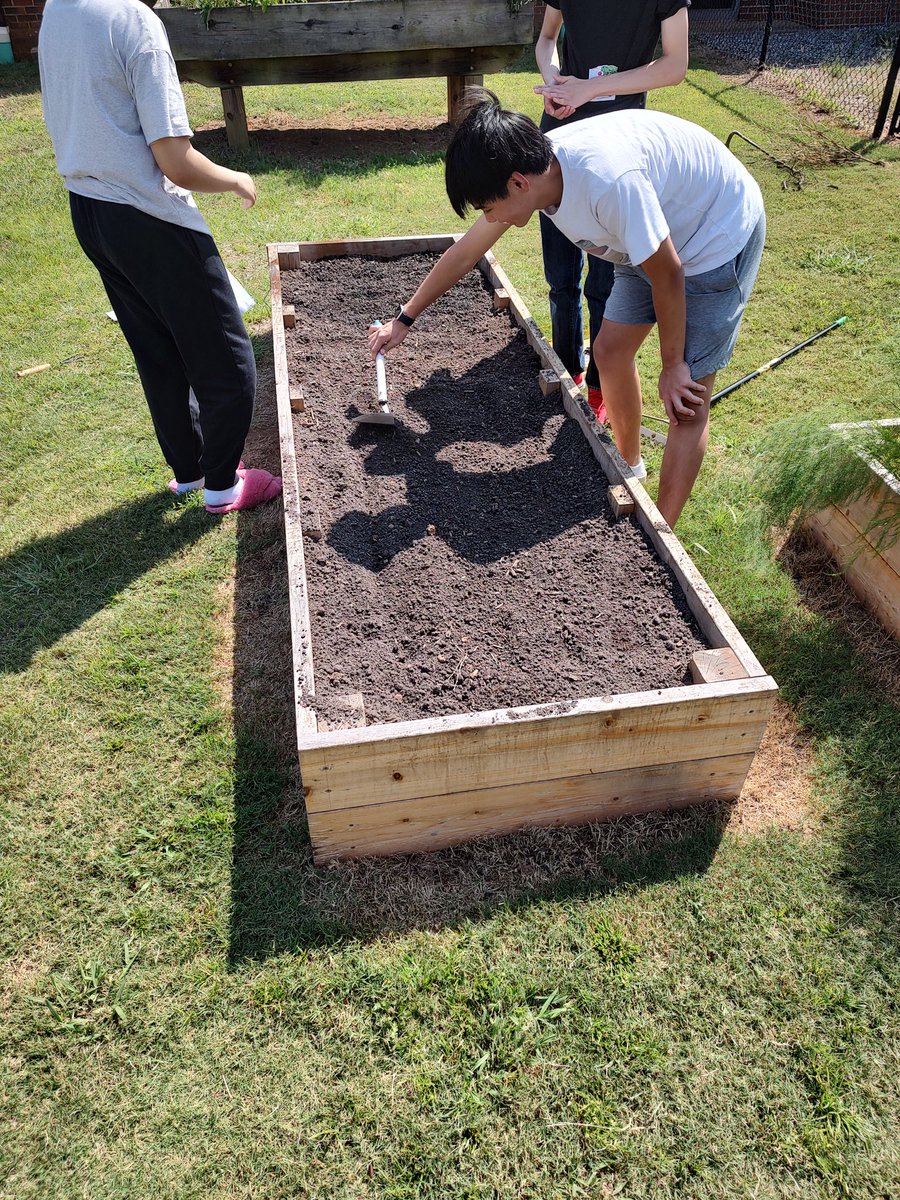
x=467, y=558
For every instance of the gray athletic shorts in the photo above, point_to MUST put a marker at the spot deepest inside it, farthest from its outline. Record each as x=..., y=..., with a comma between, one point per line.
x=715, y=304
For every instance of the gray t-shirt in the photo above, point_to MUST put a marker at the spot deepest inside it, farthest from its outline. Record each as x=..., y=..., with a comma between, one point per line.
x=638, y=176
x=109, y=89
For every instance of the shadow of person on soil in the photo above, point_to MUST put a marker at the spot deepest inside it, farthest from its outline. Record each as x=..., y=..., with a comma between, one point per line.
x=840, y=671
x=482, y=511
x=282, y=902
x=51, y=586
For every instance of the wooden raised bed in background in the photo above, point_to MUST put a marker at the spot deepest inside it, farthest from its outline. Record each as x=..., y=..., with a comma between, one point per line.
x=344, y=40
x=424, y=784
x=872, y=572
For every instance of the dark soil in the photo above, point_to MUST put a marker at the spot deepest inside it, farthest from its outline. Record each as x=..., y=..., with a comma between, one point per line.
x=468, y=557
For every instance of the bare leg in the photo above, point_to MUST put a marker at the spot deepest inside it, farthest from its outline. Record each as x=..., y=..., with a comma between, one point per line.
x=615, y=348
x=683, y=455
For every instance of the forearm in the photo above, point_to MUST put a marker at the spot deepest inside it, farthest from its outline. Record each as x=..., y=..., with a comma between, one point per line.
x=662, y=72
x=198, y=174
x=670, y=309
x=454, y=264
x=546, y=56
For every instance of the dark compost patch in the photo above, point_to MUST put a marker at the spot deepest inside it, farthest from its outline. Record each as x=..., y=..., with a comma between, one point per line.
x=468, y=559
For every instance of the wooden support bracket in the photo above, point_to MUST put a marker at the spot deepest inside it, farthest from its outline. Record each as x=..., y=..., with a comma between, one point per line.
x=621, y=500
x=501, y=299
x=715, y=666
x=290, y=317
x=549, y=383
x=298, y=402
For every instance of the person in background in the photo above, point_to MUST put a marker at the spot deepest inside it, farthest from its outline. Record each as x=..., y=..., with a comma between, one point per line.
x=677, y=213
x=607, y=64
x=115, y=113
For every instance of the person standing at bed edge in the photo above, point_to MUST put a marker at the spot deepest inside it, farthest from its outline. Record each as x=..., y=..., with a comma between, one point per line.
x=607, y=65
x=115, y=113
x=680, y=217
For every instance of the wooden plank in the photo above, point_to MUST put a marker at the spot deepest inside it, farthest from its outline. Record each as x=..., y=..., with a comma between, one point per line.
x=250, y=71
x=715, y=666
x=301, y=632
x=293, y=254
x=235, y=113
x=621, y=502
x=344, y=27
x=412, y=826
x=870, y=577
x=504, y=747
x=860, y=514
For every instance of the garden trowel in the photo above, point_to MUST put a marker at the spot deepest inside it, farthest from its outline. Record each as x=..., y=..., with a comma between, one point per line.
x=382, y=415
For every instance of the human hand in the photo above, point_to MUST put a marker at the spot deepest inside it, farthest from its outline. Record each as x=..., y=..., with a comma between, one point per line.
x=245, y=188
x=680, y=393
x=560, y=111
x=569, y=91
x=385, y=337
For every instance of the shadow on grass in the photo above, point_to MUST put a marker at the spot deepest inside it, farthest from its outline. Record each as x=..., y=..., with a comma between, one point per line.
x=840, y=672
x=282, y=902
x=18, y=79
x=51, y=586
x=315, y=152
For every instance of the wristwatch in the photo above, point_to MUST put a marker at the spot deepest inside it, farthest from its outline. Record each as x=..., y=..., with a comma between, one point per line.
x=404, y=319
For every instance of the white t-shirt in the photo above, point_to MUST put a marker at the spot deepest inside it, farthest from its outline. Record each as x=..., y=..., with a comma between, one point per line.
x=632, y=178
x=109, y=89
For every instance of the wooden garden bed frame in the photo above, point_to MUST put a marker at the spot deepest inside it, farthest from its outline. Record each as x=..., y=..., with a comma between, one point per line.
x=872, y=572
x=344, y=40
x=420, y=785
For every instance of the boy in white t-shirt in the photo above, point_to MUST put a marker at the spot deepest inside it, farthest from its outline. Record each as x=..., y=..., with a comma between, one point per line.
x=679, y=216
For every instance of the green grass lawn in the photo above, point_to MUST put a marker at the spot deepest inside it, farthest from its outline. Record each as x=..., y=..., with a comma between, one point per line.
x=188, y=1008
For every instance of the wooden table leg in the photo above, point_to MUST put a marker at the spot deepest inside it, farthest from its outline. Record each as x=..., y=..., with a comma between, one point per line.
x=456, y=90
x=235, y=118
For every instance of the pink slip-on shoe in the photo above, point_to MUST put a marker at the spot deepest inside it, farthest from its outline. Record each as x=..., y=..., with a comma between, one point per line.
x=258, y=487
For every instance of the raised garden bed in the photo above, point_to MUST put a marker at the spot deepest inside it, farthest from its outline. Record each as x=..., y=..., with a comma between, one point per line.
x=479, y=643
x=344, y=40
x=871, y=570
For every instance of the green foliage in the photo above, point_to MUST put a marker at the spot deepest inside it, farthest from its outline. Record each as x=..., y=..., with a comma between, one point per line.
x=803, y=465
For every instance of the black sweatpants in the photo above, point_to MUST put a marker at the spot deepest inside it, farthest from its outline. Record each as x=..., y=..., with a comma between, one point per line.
x=170, y=290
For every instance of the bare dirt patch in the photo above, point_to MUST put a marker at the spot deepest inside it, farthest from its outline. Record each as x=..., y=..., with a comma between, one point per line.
x=778, y=790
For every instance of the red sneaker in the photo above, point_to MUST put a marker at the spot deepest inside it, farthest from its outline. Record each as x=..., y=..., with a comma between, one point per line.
x=598, y=408
x=578, y=379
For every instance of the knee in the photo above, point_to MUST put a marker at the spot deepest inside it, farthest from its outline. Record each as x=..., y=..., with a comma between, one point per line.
x=610, y=352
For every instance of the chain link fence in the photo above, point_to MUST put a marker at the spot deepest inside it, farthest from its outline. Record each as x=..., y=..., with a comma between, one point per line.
x=840, y=56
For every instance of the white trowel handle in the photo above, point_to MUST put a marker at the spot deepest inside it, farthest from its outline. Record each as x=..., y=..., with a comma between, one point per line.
x=380, y=377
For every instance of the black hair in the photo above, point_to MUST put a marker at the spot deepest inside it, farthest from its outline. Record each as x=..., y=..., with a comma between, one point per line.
x=490, y=143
